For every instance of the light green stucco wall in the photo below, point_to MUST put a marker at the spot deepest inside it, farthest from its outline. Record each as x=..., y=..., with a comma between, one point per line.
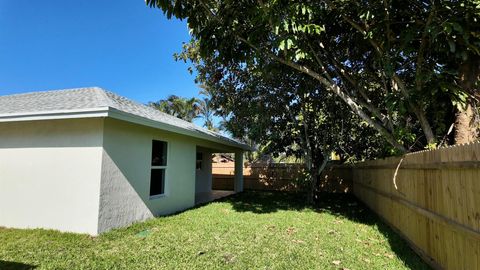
x=124, y=196
x=203, y=176
x=125, y=184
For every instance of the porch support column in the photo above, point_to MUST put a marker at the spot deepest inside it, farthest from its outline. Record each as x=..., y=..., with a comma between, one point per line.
x=238, y=184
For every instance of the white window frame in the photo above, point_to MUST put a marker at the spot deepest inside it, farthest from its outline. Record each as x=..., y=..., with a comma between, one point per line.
x=164, y=167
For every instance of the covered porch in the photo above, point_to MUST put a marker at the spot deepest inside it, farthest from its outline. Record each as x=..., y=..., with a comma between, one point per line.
x=203, y=175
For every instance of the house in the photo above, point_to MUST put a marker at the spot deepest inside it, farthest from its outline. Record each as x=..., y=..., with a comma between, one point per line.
x=87, y=160
x=222, y=158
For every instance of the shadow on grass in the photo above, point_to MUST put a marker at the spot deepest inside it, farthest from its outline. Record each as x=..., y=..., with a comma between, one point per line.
x=6, y=265
x=264, y=202
x=342, y=205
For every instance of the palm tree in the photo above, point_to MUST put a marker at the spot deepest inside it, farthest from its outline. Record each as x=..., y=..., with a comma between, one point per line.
x=206, y=109
x=183, y=108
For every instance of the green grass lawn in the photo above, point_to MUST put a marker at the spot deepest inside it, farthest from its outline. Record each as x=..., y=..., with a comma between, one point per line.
x=253, y=230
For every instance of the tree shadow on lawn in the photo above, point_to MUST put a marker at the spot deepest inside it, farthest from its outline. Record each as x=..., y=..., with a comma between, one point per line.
x=6, y=265
x=264, y=202
x=341, y=205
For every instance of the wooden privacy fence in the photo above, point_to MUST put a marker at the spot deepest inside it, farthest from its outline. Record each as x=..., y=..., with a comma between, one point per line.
x=432, y=200
x=258, y=176
x=280, y=177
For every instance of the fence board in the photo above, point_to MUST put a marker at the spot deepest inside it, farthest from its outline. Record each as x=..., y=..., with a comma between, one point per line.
x=436, y=205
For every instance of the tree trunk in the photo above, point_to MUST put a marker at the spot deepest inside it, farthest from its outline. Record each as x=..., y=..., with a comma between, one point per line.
x=315, y=172
x=466, y=126
x=311, y=190
x=311, y=173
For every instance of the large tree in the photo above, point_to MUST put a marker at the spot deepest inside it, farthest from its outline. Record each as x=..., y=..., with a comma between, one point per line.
x=287, y=113
x=393, y=63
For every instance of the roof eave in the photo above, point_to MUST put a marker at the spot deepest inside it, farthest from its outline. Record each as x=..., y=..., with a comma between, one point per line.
x=124, y=116
x=55, y=115
x=117, y=114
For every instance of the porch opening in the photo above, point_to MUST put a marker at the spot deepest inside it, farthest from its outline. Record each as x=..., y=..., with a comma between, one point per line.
x=205, y=191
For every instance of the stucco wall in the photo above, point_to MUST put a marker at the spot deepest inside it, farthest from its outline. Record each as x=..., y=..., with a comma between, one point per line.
x=50, y=174
x=204, y=176
x=91, y=175
x=125, y=185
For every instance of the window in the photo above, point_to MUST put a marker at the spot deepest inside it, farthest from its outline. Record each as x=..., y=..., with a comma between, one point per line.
x=199, y=162
x=159, y=166
x=159, y=153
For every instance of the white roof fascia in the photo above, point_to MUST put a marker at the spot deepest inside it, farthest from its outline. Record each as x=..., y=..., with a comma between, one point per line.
x=55, y=114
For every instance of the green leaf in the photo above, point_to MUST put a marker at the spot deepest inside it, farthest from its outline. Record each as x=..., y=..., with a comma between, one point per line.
x=282, y=45
x=299, y=54
x=289, y=43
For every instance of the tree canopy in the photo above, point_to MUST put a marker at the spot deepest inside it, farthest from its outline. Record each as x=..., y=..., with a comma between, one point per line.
x=398, y=66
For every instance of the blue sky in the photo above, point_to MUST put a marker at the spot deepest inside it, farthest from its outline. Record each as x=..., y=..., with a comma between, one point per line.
x=121, y=45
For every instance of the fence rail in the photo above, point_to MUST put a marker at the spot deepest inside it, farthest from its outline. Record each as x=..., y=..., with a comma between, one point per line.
x=432, y=200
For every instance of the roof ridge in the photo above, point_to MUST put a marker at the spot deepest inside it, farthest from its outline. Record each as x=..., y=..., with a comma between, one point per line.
x=102, y=95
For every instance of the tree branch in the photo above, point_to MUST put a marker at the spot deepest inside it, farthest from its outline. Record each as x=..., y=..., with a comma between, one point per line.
x=421, y=50
x=340, y=70
x=419, y=112
x=337, y=90
x=328, y=85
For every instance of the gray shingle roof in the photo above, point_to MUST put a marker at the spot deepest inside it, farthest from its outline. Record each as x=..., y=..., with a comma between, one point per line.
x=79, y=99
